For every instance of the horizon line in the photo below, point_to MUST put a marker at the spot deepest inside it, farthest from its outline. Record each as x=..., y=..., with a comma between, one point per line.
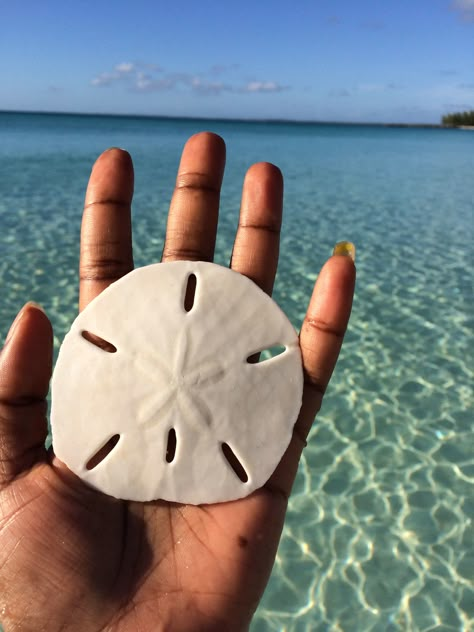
x=221, y=119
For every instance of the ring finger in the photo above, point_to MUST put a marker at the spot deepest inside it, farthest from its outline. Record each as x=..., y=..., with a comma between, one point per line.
x=257, y=241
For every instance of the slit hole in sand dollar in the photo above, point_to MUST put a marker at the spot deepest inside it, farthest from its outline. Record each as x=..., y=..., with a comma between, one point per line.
x=97, y=341
x=171, y=446
x=266, y=354
x=176, y=369
x=190, y=292
x=103, y=452
x=234, y=462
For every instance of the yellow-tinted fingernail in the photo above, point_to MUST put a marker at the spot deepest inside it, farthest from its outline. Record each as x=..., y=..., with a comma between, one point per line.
x=346, y=249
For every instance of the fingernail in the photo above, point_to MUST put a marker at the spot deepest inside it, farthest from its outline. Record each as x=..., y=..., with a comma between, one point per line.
x=345, y=249
x=35, y=306
x=114, y=148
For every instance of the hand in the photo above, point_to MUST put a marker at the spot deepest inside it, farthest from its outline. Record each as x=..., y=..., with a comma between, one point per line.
x=74, y=559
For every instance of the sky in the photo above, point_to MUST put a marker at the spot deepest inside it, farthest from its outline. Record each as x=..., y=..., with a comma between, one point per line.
x=407, y=61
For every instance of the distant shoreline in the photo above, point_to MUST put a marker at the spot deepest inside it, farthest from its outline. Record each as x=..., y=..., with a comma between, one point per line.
x=270, y=121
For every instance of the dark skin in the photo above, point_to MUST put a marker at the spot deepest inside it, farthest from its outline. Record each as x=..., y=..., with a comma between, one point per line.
x=74, y=559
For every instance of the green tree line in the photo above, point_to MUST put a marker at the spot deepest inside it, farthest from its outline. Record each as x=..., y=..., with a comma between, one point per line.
x=459, y=118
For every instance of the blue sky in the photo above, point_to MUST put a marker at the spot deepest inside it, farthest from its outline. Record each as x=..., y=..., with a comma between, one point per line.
x=368, y=60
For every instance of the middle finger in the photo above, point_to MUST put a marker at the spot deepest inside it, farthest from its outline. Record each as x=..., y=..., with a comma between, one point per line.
x=192, y=220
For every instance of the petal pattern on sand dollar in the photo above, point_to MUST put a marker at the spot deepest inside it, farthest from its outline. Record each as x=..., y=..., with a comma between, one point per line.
x=169, y=406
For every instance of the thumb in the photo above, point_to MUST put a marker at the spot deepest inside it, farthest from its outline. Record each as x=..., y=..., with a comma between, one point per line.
x=25, y=371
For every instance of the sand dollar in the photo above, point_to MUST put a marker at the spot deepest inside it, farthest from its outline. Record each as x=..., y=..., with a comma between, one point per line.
x=153, y=393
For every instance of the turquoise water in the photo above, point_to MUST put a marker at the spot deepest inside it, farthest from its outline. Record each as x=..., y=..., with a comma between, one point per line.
x=379, y=534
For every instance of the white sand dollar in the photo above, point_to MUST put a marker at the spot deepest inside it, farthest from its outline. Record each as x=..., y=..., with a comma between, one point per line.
x=183, y=415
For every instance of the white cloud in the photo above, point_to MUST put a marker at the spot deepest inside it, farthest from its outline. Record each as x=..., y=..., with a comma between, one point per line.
x=466, y=9
x=143, y=82
x=205, y=87
x=146, y=83
x=126, y=71
x=264, y=86
x=105, y=78
x=125, y=67
x=147, y=77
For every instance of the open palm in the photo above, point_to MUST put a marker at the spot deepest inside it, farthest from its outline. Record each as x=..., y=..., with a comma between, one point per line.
x=72, y=558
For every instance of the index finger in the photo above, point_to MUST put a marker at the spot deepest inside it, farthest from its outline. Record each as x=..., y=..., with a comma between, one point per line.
x=106, y=232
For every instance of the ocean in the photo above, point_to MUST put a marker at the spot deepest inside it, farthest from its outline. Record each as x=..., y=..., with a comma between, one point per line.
x=379, y=534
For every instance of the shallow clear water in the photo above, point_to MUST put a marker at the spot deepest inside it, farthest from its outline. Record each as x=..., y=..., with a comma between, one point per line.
x=379, y=534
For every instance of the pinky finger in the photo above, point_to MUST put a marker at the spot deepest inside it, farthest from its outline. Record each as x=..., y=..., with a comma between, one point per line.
x=323, y=331
x=321, y=338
